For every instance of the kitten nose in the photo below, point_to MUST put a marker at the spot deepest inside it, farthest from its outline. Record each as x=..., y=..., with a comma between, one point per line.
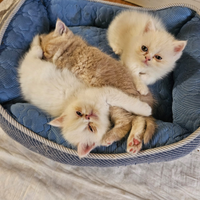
x=147, y=58
x=87, y=117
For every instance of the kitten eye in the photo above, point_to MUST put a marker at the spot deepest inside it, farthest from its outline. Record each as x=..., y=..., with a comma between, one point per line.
x=79, y=113
x=158, y=57
x=90, y=128
x=144, y=48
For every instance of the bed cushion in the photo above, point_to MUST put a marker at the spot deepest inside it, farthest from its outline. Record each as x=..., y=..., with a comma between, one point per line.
x=177, y=95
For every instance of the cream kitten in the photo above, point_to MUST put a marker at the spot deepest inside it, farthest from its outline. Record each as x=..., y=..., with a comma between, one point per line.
x=144, y=46
x=82, y=112
x=97, y=69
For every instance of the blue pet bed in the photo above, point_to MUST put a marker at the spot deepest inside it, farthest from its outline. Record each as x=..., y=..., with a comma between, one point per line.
x=177, y=111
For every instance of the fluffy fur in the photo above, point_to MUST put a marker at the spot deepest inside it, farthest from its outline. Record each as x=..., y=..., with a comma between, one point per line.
x=97, y=69
x=82, y=112
x=145, y=46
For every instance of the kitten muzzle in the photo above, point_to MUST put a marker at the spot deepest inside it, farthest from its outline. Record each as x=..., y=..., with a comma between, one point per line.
x=89, y=116
x=147, y=58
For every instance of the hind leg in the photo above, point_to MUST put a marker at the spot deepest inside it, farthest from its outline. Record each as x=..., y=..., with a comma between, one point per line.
x=122, y=125
x=116, y=133
x=143, y=128
x=134, y=142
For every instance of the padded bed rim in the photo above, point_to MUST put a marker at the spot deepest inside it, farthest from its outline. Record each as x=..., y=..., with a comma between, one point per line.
x=147, y=152
x=8, y=17
x=188, y=5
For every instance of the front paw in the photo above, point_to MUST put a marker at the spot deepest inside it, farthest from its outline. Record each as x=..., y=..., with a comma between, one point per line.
x=145, y=109
x=36, y=41
x=37, y=52
x=36, y=48
x=117, y=50
x=142, y=89
x=108, y=140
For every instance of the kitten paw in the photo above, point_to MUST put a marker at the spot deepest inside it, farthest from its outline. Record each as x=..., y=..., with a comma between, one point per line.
x=36, y=41
x=142, y=89
x=36, y=48
x=144, y=109
x=37, y=52
x=117, y=50
x=133, y=145
x=107, y=141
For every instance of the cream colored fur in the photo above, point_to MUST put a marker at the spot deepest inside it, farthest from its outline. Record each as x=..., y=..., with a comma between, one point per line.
x=129, y=31
x=97, y=69
x=61, y=94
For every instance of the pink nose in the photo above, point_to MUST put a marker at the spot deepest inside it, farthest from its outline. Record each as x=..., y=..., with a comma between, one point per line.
x=88, y=116
x=147, y=58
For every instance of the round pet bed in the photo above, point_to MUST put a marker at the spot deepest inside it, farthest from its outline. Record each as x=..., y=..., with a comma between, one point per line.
x=177, y=111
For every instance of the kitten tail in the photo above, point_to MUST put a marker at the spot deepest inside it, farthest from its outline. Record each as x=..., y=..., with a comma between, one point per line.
x=150, y=129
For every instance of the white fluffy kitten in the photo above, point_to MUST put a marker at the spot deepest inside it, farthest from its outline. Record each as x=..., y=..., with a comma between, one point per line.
x=82, y=112
x=144, y=46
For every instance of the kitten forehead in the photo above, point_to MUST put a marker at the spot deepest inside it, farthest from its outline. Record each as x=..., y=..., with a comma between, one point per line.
x=157, y=37
x=158, y=42
x=86, y=107
x=78, y=108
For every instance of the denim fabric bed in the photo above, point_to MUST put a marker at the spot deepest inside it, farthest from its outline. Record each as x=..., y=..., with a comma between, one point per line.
x=177, y=95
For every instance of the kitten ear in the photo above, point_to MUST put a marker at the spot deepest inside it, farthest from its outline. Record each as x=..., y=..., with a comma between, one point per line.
x=60, y=27
x=179, y=46
x=57, y=122
x=84, y=149
x=149, y=26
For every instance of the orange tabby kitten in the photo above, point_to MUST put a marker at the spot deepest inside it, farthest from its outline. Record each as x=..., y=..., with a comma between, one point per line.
x=97, y=69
